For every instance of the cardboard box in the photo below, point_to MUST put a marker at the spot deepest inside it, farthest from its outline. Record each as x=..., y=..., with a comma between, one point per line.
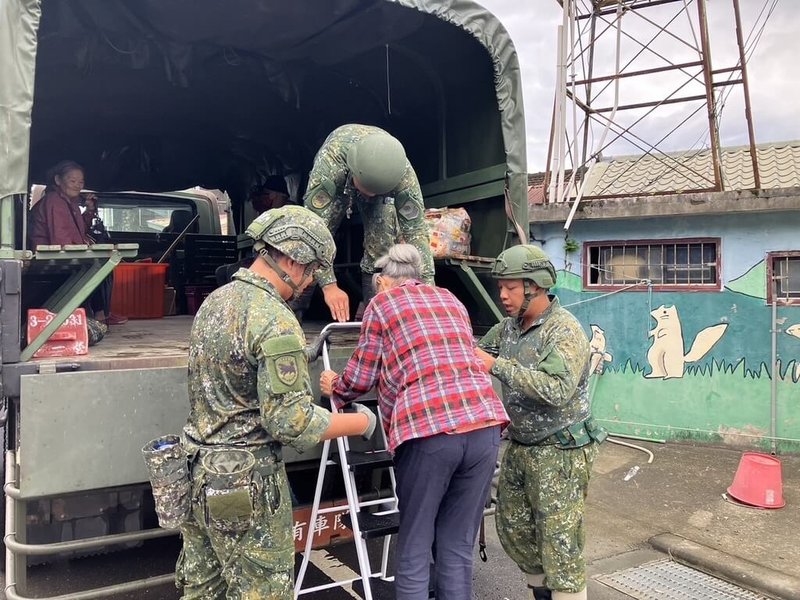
x=329, y=527
x=300, y=527
x=339, y=532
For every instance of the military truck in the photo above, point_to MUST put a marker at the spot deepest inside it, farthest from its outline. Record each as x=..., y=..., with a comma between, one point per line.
x=156, y=96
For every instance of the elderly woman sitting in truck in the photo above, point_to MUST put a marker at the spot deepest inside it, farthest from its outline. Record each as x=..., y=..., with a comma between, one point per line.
x=56, y=220
x=441, y=415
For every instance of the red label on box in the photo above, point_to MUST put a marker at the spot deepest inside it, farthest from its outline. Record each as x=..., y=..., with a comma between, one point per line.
x=71, y=339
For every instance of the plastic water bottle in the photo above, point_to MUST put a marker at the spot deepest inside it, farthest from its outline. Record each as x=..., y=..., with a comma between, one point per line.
x=631, y=473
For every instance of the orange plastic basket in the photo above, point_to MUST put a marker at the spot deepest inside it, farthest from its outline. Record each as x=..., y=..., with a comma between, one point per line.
x=138, y=291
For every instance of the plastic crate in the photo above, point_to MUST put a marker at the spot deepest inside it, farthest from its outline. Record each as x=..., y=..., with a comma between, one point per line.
x=195, y=294
x=138, y=291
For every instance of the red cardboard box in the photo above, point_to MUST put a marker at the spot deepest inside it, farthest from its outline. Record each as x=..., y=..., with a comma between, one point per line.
x=339, y=532
x=71, y=339
x=300, y=518
x=329, y=528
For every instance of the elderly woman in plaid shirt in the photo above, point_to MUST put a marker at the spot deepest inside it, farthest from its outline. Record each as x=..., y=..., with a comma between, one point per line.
x=441, y=415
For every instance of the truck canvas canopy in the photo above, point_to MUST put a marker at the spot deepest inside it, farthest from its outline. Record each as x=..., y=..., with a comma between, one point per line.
x=157, y=96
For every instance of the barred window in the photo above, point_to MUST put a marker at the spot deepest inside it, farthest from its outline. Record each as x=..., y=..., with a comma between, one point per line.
x=669, y=264
x=784, y=277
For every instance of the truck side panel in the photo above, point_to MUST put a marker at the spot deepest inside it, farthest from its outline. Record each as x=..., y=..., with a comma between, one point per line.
x=85, y=431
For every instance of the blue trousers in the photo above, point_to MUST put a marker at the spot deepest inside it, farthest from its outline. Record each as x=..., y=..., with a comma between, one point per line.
x=443, y=482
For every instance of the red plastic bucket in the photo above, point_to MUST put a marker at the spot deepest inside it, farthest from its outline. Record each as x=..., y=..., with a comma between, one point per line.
x=758, y=481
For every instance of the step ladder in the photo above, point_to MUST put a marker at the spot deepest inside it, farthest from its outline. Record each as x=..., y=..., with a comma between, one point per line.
x=365, y=525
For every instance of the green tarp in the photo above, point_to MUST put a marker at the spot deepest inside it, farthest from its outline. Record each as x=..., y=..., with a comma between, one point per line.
x=254, y=28
x=19, y=23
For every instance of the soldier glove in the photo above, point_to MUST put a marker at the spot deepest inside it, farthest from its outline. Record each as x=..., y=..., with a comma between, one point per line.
x=373, y=420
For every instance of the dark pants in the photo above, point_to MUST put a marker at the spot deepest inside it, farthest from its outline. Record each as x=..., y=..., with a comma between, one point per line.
x=442, y=484
x=367, y=291
x=100, y=299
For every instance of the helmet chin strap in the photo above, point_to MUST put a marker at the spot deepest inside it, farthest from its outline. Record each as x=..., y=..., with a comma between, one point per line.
x=529, y=295
x=526, y=299
x=296, y=291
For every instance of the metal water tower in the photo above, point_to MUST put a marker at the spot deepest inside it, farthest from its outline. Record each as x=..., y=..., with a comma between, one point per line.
x=632, y=73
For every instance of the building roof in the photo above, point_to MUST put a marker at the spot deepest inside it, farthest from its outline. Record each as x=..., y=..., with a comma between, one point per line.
x=536, y=186
x=778, y=166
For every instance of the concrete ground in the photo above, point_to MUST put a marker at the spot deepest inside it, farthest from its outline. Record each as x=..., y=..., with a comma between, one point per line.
x=673, y=506
x=679, y=493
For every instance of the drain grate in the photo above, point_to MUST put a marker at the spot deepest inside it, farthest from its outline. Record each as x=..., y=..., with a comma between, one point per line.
x=668, y=580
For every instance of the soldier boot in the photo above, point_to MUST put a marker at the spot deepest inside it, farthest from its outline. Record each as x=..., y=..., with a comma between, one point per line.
x=537, y=587
x=540, y=593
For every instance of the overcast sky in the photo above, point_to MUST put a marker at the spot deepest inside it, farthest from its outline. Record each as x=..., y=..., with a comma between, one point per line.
x=772, y=72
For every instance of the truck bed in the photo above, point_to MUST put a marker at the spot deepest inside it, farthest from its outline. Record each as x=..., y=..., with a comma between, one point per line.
x=140, y=343
x=150, y=343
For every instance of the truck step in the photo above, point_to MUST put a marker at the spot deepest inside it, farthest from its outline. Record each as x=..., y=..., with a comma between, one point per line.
x=375, y=460
x=375, y=526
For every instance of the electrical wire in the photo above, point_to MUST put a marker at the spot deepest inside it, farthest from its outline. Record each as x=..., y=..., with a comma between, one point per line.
x=751, y=43
x=646, y=282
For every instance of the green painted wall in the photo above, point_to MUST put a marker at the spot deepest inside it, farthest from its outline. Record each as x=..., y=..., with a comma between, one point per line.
x=725, y=396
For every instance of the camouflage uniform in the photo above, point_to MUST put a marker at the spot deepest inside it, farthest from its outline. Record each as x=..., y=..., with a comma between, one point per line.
x=392, y=218
x=544, y=372
x=248, y=387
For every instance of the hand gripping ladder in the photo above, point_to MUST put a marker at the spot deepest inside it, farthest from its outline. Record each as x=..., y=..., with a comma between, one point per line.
x=365, y=525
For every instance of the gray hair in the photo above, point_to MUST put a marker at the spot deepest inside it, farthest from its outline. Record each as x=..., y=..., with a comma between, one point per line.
x=401, y=262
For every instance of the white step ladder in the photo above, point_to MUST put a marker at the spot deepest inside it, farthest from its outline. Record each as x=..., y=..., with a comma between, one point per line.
x=365, y=525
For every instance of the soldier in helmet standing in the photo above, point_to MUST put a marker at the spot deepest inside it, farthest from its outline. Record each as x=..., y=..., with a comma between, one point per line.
x=540, y=354
x=250, y=394
x=361, y=167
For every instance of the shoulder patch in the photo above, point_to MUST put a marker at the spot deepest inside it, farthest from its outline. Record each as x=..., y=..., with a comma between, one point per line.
x=286, y=363
x=320, y=200
x=409, y=210
x=320, y=193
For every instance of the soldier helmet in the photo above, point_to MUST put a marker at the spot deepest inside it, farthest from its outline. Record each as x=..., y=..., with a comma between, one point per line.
x=378, y=161
x=296, y=232
x=525, y=261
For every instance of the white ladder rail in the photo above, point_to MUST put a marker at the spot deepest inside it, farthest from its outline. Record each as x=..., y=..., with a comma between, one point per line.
x=354, y=506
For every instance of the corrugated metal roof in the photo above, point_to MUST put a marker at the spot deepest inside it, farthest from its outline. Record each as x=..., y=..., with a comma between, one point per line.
x=778, y=166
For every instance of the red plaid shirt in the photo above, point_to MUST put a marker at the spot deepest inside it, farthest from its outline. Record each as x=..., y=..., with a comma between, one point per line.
x=416, y=343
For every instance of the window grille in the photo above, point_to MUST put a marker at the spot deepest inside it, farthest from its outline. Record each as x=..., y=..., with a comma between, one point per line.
x=784, y=274
x=673, y=264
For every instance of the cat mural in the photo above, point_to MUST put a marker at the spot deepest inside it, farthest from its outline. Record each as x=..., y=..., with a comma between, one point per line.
x=597, y=346
x=666, y=355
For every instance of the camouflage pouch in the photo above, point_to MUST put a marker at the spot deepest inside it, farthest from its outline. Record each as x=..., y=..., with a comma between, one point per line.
x=229, y=489
x=596, y=432
x=169, y=477
x=574, y=436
